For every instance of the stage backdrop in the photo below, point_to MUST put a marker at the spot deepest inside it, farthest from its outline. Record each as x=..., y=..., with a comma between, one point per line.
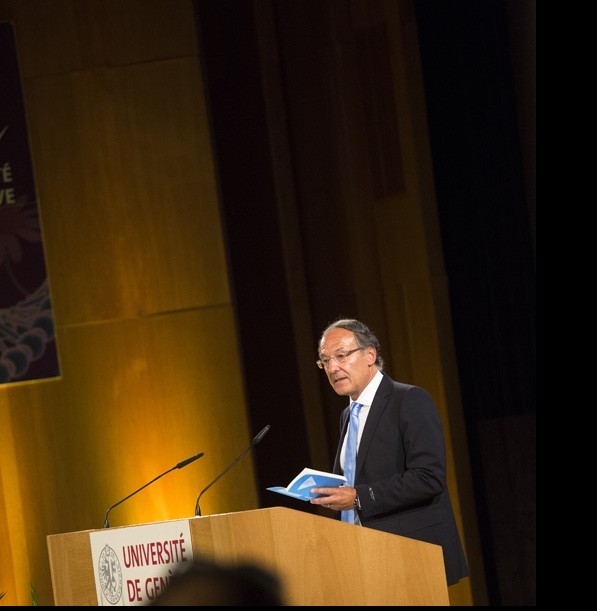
x=28, y=349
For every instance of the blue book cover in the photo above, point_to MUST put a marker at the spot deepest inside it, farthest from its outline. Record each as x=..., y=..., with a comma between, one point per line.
x=300, y=486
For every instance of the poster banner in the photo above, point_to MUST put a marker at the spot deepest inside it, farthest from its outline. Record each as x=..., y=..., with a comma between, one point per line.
x=28, y=349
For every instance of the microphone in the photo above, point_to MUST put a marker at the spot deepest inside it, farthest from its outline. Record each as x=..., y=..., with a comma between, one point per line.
x=180, y=465
x=255, y=441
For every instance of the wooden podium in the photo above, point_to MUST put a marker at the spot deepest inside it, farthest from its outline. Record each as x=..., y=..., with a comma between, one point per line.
x=320, y=561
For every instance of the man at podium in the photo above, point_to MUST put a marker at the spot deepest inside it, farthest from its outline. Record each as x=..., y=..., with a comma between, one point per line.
x=391, y=448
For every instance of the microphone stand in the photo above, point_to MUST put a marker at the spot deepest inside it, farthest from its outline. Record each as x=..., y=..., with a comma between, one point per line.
x=254, y=442
x=180, y=465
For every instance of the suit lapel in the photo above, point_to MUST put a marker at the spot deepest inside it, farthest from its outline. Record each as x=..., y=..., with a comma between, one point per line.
x=380, y=402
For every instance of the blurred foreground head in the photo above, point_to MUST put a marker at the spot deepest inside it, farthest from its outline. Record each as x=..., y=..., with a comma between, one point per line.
x=206, y=583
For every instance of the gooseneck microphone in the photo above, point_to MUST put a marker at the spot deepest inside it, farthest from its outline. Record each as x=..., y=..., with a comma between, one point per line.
x=180, y=465
x=255, y=441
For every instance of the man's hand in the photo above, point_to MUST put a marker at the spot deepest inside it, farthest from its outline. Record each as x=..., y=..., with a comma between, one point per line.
x=338, y=499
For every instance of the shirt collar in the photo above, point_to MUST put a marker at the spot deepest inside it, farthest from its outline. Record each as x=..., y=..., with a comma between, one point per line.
x=368, y=394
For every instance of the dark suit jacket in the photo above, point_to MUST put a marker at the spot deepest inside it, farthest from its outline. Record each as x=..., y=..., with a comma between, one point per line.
x=401, y=471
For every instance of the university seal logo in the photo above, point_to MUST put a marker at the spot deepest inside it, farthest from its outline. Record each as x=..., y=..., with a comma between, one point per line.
x=110, y=575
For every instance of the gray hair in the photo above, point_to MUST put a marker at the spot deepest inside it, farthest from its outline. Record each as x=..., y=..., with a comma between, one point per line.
x=364, y=336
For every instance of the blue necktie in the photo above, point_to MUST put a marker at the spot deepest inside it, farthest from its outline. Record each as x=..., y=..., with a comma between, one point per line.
x=350, y=456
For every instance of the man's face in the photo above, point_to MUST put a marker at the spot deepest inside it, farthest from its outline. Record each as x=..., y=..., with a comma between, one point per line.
x=351, y=376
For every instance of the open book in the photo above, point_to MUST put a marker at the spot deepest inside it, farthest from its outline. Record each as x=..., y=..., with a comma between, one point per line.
x=300, y=486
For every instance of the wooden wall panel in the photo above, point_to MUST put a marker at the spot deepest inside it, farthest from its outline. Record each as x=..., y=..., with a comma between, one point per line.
x=138, y=396
x=65, y=36
x=127, y=191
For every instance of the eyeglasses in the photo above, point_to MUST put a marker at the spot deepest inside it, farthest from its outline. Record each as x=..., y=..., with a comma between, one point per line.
x=324, y=362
